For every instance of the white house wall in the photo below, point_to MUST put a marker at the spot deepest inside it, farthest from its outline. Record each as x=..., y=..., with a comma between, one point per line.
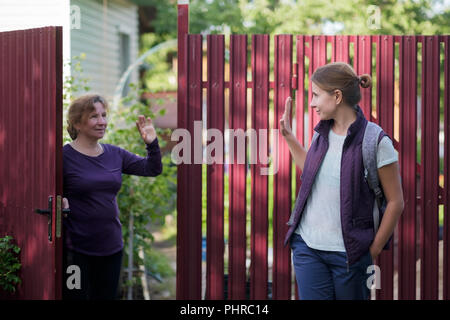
x=99, y=38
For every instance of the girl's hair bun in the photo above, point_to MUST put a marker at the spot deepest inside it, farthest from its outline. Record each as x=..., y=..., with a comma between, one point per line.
x=365, y=80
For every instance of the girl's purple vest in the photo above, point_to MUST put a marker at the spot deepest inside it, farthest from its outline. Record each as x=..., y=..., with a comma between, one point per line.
x=357, y=200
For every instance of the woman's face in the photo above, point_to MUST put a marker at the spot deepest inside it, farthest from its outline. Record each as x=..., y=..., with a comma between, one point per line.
x=94, y=126
x=323, y=102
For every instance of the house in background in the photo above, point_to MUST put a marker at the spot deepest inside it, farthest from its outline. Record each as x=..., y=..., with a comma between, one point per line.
x=106, y=31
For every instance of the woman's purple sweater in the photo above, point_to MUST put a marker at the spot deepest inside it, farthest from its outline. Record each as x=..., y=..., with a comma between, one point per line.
x=91, y=185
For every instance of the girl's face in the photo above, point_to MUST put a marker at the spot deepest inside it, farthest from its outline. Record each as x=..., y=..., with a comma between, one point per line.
x=324, y=103
x=94, y=126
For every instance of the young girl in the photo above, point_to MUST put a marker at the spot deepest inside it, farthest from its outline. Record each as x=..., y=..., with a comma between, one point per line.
x=331, y=229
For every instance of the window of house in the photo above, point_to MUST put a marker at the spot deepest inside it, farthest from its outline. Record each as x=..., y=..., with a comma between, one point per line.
x=124, y=45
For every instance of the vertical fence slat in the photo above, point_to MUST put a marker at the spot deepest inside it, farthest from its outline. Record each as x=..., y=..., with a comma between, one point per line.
x=215, y=171
x=259, y=193
x=194, y=216
x=300, y=101
x=238, y=118
x=182, y=177
x=429, y=268
x=385, y=117
x=189, y=222
x=282, y=180
x=340, y=49
x=385, y=84
x=317, y=58
x=300, y=112
x=407, y=160
x=363, y=65
x=446, y=271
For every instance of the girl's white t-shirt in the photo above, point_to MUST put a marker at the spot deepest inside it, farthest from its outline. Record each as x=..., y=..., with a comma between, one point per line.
x=320, y=226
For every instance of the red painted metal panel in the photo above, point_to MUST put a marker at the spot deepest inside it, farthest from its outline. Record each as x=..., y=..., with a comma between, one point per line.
x=317, y=58
x=58, y=94
x=340, y=49
x=407, y=160
x=282, y=180
x=182, y=176
x=362, y=65
x=429, y=184
x=215, y=171
x=238, y=119
x=3, y=115
x=446, y=238
x=300, y=100
x=385, y=117
x=385, y=83
x=259, y=191
x=30, y=141
x=300, y=111
x=189, y=238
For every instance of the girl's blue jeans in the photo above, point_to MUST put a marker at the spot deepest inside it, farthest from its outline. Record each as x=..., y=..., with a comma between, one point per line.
x=325, y=275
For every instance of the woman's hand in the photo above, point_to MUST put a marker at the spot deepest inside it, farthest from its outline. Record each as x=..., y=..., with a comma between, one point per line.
x=374, y=252
x=392, y=188
x=298, y=152
x=65, y=205
x=146, y=129
x=285, y=121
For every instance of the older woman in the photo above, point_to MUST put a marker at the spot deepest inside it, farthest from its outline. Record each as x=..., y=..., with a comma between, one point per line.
x=92, y=178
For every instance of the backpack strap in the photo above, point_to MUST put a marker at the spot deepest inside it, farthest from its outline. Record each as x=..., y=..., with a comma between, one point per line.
x=369, y=154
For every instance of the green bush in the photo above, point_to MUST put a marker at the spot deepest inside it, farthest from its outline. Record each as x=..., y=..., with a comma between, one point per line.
x=9, y=264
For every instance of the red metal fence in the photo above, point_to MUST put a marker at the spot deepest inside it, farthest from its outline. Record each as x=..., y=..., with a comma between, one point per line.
x=410, y=73
x=427, y=56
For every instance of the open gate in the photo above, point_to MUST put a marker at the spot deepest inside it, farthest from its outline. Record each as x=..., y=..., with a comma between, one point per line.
x=31, y=156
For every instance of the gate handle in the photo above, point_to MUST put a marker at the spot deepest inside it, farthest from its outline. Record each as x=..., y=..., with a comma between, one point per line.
x=47, y=212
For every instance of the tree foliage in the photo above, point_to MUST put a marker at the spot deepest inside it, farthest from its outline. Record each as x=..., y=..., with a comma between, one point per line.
x=424, y=17
x=9, y=264
x=310, y=17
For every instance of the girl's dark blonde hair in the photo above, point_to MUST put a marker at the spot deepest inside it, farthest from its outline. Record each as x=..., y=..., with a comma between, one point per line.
x=341, y=76
x=79, y=109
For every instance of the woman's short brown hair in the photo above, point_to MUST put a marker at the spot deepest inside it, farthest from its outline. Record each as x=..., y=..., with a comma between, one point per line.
x=79, y=110
x=341, y=76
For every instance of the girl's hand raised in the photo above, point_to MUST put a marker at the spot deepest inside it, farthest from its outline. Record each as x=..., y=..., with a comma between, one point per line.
x=298, y=152
x=285, y=121
x=146, y=129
